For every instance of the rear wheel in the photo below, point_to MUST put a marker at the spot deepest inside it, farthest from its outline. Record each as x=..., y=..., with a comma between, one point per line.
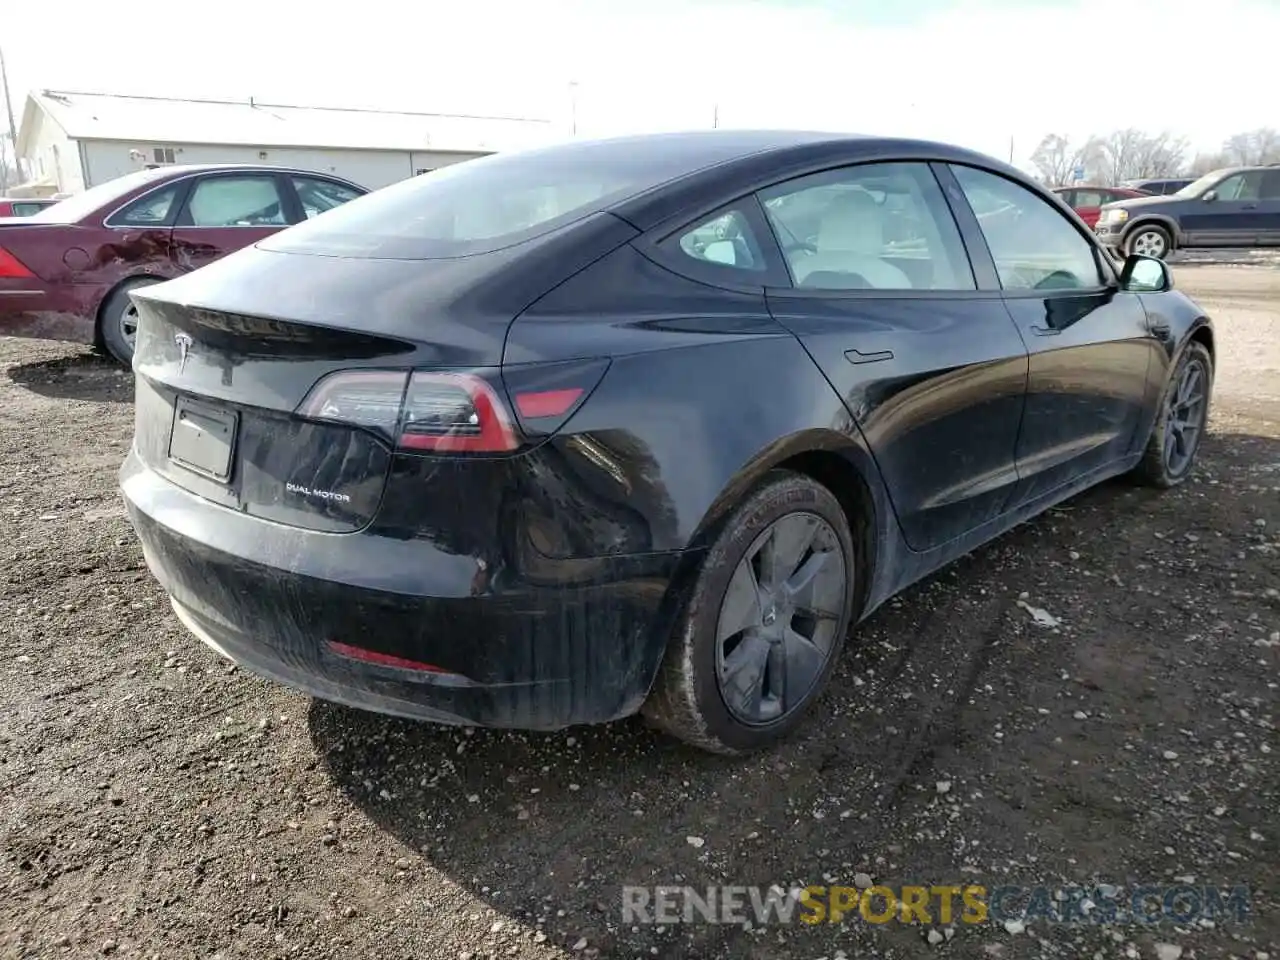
x=1149, y=240
x=1180, y=422
x=118, y=320
x=764, y=624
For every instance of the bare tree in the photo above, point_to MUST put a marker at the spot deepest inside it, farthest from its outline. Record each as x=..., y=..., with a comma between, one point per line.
x=1133, y=154
x=9, y=173
x=1253, y=147
x=1207, y=163
x=1056, y=158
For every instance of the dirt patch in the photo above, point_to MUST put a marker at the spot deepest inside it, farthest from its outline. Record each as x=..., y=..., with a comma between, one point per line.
x=155, y=801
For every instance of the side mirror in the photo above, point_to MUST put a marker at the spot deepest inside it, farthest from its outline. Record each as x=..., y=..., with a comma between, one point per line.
x=1209, y=195
x=1145, y=275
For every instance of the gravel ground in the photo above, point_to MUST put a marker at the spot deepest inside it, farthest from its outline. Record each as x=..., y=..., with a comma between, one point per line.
x=157, y=802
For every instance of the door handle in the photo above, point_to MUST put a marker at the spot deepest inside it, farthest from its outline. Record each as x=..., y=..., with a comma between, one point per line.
x=1045, y=331
x=857, y=356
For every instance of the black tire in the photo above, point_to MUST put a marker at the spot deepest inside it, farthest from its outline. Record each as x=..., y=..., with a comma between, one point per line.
x=111, y=320
x=687, y=700
x=1149, y=231
x=1167, y=462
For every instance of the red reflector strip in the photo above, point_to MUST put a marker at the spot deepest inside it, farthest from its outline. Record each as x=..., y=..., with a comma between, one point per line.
x=547, y=403
x=11, y=266
x=383, y=659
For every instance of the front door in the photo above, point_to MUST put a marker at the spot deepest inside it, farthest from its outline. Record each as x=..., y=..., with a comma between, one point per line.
x=1091, y=374
x=1233, y=218
x=226, y=211
x=931, y=369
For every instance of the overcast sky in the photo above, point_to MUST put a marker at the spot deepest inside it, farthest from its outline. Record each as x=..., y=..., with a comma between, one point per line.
x=974, y=72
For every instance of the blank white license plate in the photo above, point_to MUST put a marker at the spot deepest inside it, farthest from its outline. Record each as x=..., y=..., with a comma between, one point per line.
x=202, y=438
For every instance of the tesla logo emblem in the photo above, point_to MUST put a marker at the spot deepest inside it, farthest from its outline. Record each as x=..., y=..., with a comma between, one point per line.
x=184, y=347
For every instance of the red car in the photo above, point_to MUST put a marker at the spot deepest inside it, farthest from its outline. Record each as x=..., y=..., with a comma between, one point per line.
x=66, y=272
x=1088, y=201
x=23, y=207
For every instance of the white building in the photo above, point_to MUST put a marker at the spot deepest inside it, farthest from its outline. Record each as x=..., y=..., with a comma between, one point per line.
x=70, y=141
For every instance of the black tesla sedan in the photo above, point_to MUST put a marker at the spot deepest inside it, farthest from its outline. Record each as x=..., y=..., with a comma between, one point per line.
x=642, y=424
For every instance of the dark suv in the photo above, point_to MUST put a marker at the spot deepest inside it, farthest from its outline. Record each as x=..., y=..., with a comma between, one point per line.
x=1232, y=207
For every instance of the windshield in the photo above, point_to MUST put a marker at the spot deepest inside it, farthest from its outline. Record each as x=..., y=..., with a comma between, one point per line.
x=1197, y=187
x=479, y=206
x=78, y=206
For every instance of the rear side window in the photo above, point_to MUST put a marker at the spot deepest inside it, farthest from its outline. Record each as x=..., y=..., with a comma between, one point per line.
x=27, y=209
x=251, y=201
x=156, y=209
x=478, y=206
x=883, y=226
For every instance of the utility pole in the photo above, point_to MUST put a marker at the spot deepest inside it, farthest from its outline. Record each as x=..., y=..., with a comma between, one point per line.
x=1011, y=151
x=13, y=130
x=715, y=117
x=573, y=108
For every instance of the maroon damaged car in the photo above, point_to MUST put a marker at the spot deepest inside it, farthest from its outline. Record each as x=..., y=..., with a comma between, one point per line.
x=66, y=272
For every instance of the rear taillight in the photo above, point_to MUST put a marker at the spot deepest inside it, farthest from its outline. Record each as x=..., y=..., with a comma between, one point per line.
x=13, y=268
x=454, y=411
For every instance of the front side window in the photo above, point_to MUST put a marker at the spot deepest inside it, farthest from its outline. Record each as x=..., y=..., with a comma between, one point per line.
x=251, y=201
x=726, y=240
x=317, y=196
x=879, y=226
x=1033, y=245
x=27, y=209
x=1241, y=186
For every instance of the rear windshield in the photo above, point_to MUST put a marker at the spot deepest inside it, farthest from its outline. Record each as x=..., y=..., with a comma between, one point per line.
x=478, y=206
x=80, y=205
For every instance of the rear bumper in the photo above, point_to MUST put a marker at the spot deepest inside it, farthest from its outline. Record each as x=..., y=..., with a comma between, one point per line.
x=45, y=311
x=510, y=653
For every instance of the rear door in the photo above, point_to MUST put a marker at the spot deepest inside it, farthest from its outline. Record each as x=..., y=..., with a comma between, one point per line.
x=1269, y=209
x=1091, y=373
x=931, y=368
x=223, y=212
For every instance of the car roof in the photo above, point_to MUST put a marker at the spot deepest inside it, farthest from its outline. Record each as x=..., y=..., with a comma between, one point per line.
x=185, y=169
x=722, y=163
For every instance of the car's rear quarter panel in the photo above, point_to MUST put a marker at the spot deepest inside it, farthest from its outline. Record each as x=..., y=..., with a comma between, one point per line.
x=706, y=393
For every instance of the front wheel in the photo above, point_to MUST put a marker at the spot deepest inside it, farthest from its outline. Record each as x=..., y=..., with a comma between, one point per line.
x=1181, y=420
x=1149, y=240
x=765, y=621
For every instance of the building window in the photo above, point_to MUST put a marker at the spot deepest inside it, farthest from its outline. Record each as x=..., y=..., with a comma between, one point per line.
x=164, y=155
